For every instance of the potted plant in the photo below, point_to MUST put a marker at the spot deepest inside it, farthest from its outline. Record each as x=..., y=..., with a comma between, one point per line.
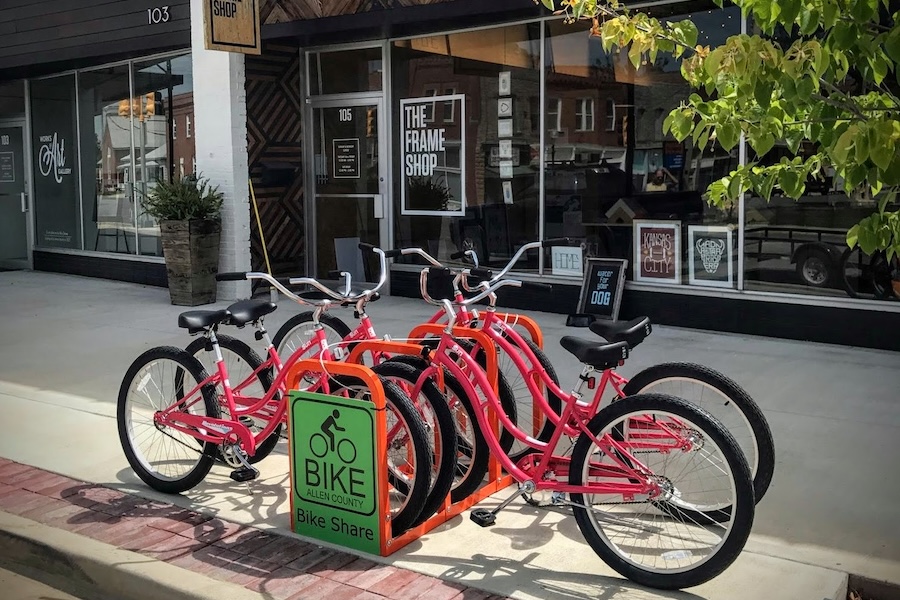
x=188, y=210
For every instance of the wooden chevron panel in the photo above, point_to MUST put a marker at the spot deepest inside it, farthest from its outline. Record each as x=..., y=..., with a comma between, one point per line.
x=284, y=11
x=274, y=144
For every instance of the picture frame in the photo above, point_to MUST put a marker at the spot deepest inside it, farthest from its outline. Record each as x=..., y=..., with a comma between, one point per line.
x=504, y=81
x=505, y=107
x=504, y=128
x=602, y=287
x=657, y=251
x=711, y=255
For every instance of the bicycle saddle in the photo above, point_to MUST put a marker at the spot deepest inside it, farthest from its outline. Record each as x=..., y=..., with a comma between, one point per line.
x=598, y=355
x=247, y=311
x=633, y=332
x=198, y=320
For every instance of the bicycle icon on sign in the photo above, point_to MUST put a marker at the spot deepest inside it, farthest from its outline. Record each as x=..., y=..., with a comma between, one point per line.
x=321, y=444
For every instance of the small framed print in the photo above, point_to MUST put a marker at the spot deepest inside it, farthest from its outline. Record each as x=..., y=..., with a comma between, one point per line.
x=504, y=128
x=505, y=149
x=657, y=251
x=507, y=192
x=710, y=256
x=506, y=169
x=505, y=83
x=505, y=107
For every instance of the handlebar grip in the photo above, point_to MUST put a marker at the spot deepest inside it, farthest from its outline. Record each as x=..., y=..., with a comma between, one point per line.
x=231, y=276
x=365, y=246
x=556, y=242
x=439, y=272
x=457, y=255
x=542, y=287
x=392, y=253
x=336, y=274
x=481, y=274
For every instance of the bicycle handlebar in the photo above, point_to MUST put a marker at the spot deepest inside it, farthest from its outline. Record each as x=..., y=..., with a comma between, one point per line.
x=488, y=288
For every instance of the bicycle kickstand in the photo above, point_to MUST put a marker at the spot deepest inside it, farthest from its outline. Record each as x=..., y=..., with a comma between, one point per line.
x=486, y=518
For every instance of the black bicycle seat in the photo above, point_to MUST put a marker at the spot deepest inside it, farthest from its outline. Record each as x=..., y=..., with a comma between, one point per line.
x=633, y=332
x=598, y=355
x=247, y=311
x=197, y=320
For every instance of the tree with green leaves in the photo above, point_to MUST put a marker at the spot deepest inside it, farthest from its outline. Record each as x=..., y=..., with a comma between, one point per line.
x=821, y=77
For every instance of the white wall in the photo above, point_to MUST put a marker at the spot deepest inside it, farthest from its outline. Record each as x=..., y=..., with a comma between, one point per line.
x=220, y=113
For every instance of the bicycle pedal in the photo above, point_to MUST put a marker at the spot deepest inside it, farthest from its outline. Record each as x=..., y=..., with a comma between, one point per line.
x=483, y=517
x=242, y=475
x=245, y=421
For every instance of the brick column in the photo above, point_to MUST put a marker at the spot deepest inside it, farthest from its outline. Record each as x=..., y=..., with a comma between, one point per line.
x=220, y=114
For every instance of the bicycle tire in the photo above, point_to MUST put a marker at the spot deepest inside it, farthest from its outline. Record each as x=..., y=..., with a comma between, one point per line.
x=398, y=403
x=248, y=355
x=141, y=372
x=715, y=440
x=473, y=453
x=756, y=435
x=525, y=401
x=875, y=271
x=504, y=394
x=441, y=434
x=288, y=337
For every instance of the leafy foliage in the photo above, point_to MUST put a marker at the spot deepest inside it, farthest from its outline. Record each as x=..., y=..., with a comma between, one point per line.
x=183, y=199
x=822, y=78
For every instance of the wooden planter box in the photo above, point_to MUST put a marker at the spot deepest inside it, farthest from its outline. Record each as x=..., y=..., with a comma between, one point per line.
x=191, y=249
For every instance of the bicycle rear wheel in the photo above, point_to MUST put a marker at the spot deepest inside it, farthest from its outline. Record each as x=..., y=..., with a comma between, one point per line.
x=167, y=460
x=725, y=400
x=648, y=539
x=409, y=458
x=242, y=361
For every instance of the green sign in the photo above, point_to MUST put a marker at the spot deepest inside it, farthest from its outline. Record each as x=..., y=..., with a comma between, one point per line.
x=334, y=477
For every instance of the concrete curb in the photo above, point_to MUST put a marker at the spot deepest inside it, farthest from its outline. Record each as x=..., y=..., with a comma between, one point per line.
x=81, y=565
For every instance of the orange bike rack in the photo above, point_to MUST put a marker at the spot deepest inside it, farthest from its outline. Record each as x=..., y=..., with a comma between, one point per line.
x=310, y=365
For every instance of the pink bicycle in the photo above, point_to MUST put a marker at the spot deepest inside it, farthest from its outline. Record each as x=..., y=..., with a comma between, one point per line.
x=660, y=490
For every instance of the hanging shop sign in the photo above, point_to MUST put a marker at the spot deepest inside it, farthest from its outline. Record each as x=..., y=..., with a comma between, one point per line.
x=433, y=150
x=657, y=251
x=710, y=256
x=602, y=287
x=232, y=25
x=334, y=471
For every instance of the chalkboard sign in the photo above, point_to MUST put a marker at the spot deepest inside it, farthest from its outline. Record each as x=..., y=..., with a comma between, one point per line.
x=601, y=290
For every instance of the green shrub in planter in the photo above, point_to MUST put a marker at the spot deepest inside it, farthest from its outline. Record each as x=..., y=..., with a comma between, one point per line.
x=188, y=210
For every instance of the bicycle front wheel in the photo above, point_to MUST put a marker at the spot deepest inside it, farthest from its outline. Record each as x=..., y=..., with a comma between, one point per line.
x=167, y=460
x=298, y=331
x=409, y=457
x=649, y=539
x=437, y=419
x=726, y=401
x=242, y=362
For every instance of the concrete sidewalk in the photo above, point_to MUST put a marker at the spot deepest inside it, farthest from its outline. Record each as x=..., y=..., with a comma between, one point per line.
x=831, y=509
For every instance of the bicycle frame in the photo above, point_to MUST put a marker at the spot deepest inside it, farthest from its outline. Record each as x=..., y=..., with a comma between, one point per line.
x=548, y=466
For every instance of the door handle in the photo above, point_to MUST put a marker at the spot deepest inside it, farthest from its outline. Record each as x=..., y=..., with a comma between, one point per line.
x=24, y=197
x=378, y=200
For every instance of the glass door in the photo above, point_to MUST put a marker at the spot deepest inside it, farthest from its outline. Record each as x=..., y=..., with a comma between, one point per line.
x=14, y=202
x=348, y=186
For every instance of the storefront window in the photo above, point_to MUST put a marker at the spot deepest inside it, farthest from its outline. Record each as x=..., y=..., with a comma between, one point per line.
x=55, y=148
x=108, y=216
x=345, y=71
x=497, y=71
x=164, y=89
x=613, y=180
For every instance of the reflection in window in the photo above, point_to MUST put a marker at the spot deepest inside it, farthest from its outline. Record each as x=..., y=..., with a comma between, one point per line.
x=501, y=191
x=598, y=181
x=584, y=114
